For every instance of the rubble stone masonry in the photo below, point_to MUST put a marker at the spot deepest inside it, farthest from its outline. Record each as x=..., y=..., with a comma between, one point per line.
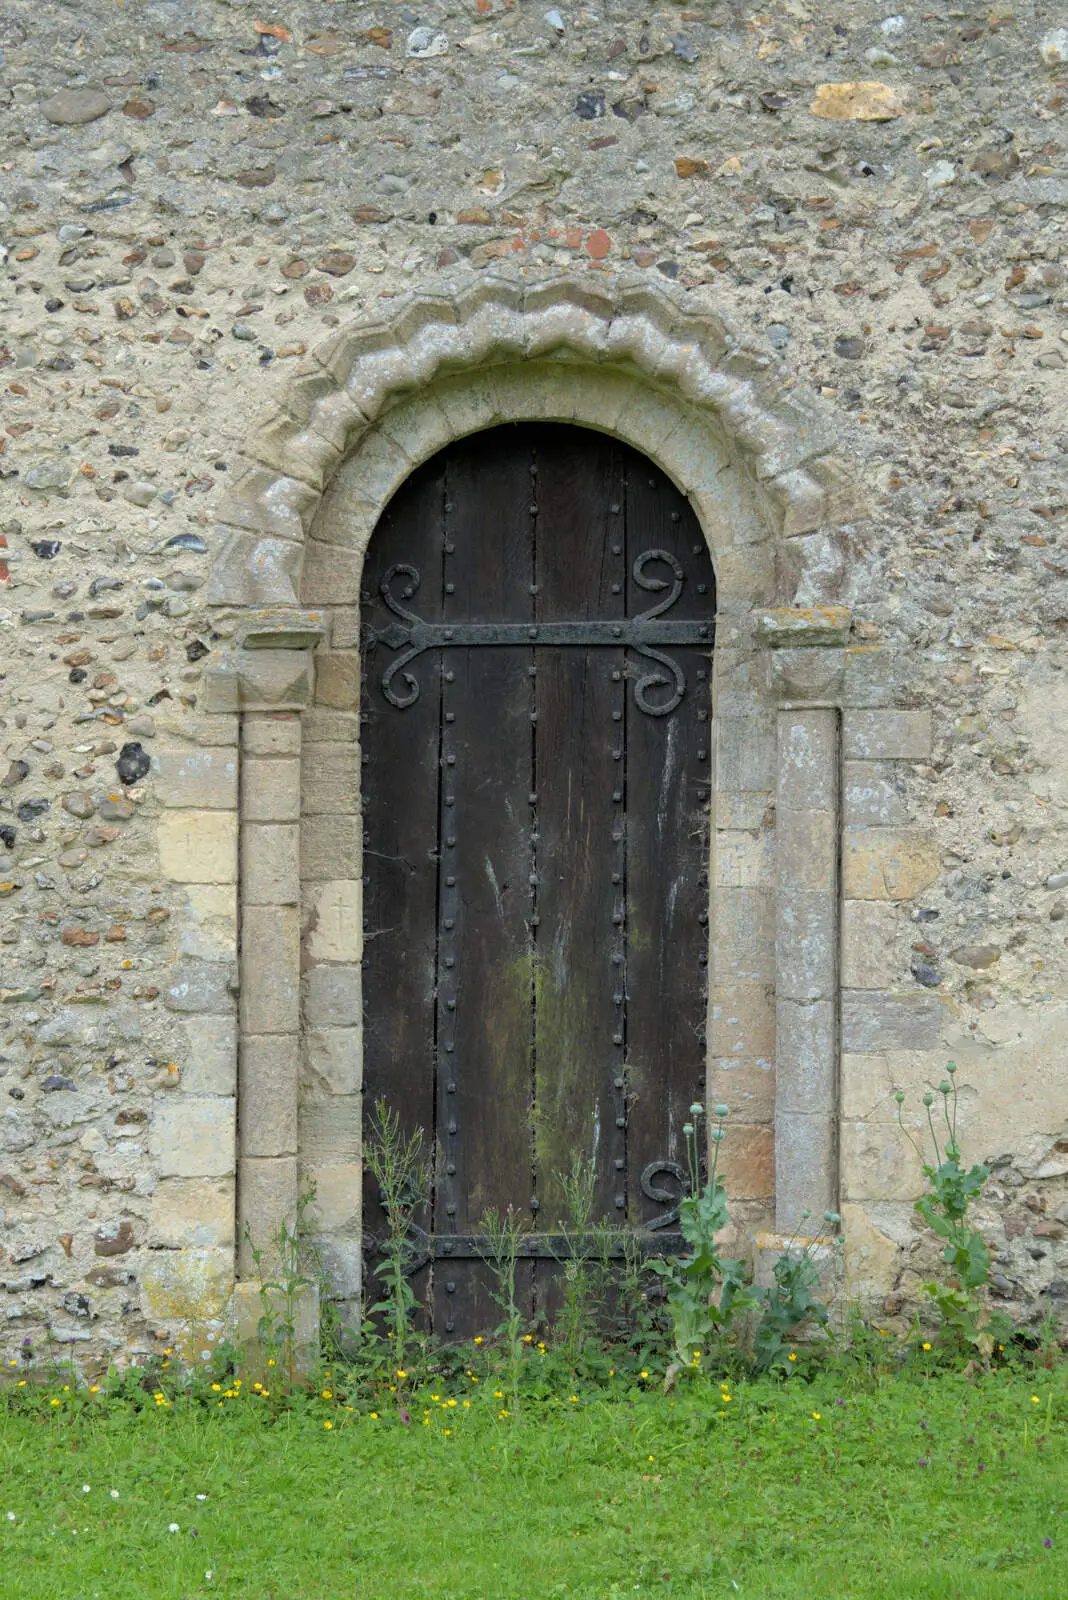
x=258, y=262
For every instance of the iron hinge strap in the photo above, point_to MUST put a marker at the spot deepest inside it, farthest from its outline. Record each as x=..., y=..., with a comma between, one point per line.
x=424, y=1248
x=411, y=635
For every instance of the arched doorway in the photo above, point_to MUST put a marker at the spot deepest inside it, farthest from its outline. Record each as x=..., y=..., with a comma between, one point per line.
x=538, y=617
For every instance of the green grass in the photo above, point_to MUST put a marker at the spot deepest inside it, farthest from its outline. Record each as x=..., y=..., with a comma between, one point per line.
x=902, y=1489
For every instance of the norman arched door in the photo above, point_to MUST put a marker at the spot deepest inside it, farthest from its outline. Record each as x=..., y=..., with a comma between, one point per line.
x=536, y=722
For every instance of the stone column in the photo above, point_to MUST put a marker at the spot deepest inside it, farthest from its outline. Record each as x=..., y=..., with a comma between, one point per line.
x=807, y=664
x=267, y=677
x=806, y=940
x=270, y=979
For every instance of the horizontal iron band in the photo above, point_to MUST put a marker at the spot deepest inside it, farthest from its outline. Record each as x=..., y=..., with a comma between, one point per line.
x=633, y=633
x=536, y=1246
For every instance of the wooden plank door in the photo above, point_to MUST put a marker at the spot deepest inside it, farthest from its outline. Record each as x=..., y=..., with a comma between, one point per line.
x=539, y=609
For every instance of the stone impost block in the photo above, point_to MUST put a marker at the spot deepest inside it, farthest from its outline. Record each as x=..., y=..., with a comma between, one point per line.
x=331, y=846
x=332, y=1062
x=201, y=986
x=807, y=778
x=871, y=796
x=281, y=628
x=888, y=863
x=806, y=953
x=268, y=733
x=873, y=1022
x=191, y=1285
x=806, y=1168
x=267, y=1099
x=334, y=921
x=199, y=779
x=806, y=1056
x=886, y=735
x=270, y=864
x=209, y=1065
x=193, y=1136
x=873, y=944
x=192, y=1212
x=266, y=1197
x=270, y=970
x=198, y=846
x=331, y=1131
x=806, y=850
x=270, y=789
x=792, y=626
x=747, y=1160
x=331, y=778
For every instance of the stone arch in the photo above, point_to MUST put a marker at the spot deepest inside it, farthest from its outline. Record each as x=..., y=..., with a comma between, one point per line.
x=754, y=454
x=675, y=348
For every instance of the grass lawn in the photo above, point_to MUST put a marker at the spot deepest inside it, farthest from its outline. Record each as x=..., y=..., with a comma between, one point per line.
x=901, y=1489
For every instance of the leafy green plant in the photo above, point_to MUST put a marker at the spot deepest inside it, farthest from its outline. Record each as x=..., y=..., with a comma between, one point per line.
x=503, y=1232
x=789, y=1302
x=706, y=1292
x=587, y=1265
x=944, y=1206
x=280, y=1293
x=401, y=1169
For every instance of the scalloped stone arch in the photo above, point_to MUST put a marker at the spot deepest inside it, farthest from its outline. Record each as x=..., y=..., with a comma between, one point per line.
x=691, y=383
x=754, y=454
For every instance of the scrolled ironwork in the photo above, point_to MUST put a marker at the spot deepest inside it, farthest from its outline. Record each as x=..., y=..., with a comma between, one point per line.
x=411, y=636
x=665, y=1197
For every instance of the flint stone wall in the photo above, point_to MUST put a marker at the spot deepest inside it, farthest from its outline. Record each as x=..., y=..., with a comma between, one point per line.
x=195, y=200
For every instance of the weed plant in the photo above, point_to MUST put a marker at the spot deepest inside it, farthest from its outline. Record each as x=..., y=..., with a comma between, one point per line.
x=401, y=1169
x=706, y=1292
x=965, y=1315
